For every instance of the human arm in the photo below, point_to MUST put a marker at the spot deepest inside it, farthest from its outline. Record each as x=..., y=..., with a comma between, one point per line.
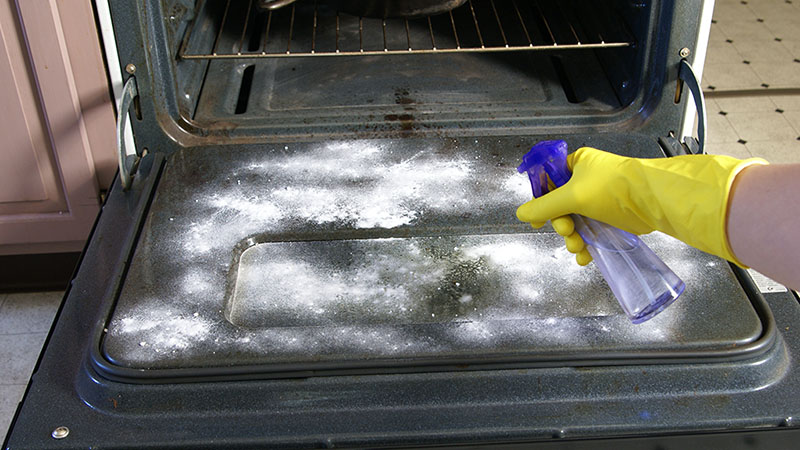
x=763, y=228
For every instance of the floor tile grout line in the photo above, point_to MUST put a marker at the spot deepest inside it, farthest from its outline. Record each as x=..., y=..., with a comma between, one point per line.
x=755, y=92
x=735, y=131
x=796, y=128
x=27, y=333
x=728, y=104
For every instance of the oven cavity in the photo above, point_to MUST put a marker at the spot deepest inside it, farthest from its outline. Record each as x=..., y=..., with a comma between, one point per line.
x=485, y=64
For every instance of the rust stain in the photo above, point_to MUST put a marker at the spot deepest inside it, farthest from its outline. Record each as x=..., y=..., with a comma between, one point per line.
x=401, y=97
x=406, y=121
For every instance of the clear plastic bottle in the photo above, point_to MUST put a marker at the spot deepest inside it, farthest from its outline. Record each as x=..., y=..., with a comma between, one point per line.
x=640, y=281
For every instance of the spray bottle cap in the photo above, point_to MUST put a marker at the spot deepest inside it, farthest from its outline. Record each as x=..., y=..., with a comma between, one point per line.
x=546, y=158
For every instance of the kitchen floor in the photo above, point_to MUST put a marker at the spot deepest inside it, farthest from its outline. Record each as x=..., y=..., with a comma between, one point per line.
x=752, y=80
x=25, y=319
x=752, y=85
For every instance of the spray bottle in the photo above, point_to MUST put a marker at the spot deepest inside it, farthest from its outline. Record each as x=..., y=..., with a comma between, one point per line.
x=642, y=283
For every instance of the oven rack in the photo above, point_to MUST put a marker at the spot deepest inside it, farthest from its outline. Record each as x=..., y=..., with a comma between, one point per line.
x=312, y=29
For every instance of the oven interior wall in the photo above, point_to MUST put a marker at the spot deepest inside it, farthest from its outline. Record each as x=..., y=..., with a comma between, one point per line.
x=238, y=67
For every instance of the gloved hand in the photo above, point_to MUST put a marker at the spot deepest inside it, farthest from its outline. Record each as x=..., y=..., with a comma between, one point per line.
x=684, y=196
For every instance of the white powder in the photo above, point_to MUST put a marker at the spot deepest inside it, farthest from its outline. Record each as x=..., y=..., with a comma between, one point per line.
x=250, y=208
x=333, y=161
x=295, y=285
x=475, y=331
x=163, y=331
x=196, y=282
x=287, y=282
x=357, y=185
x=199, y=237
x=396, y=281
x=519, y=186
x=533, y=268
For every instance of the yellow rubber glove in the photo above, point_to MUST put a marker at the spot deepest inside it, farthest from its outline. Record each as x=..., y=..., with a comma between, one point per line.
x=685, y=197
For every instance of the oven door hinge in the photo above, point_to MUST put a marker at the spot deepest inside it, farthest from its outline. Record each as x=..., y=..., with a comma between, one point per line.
x=690, y=145
x=128, y=164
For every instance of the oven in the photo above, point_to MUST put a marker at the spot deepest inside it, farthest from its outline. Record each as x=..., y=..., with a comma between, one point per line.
x=312, y=241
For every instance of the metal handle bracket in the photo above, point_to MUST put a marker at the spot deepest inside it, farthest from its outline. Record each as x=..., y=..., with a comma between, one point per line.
x=686, y=75
x=128, y=164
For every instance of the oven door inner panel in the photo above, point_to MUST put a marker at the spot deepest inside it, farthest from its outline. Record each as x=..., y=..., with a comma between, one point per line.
x=381, y=254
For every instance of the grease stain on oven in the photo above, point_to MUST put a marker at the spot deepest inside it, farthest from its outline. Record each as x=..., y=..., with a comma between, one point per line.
x=406, y=121
x=401, y=97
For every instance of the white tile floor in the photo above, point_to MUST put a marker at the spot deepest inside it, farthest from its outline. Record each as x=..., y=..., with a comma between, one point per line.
x=25, y=320
x=745, y=53
x=752, y=80
x=754, y=45
x=764, y=126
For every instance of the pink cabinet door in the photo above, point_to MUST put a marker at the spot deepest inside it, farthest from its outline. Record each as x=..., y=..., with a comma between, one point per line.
x=56, y=125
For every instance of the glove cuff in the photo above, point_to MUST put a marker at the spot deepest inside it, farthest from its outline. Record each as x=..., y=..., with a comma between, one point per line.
x=728, y=251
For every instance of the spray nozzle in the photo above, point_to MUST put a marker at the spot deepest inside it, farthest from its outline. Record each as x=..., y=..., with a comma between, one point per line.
x=546, y=158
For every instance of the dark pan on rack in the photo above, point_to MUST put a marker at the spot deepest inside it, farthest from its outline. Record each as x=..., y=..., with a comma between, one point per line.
x=395, y=8
x=381, y=8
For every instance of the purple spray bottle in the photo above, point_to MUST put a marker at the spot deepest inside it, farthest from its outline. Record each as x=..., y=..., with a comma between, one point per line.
x=642, y=283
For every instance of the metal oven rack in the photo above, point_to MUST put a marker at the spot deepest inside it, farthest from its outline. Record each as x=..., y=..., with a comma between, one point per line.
x=306, y=29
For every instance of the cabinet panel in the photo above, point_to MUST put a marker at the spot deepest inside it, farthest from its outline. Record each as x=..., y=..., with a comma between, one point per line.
x=59, y=144
x=28, y=180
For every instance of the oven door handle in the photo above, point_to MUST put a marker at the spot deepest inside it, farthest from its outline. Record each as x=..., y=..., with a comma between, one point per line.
x=686, y=75
x=128, y=164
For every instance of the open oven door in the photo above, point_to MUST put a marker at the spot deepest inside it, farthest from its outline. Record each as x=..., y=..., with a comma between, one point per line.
x=220, y=296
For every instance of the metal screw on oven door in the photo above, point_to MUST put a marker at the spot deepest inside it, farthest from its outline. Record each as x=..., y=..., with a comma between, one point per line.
x=60, y=433
x=130, y=68
x=685, y=52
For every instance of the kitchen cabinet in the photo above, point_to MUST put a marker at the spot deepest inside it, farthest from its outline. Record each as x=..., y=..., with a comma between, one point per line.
x=57, y=128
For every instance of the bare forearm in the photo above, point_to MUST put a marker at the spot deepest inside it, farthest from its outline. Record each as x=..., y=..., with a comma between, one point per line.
x=763, y=227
